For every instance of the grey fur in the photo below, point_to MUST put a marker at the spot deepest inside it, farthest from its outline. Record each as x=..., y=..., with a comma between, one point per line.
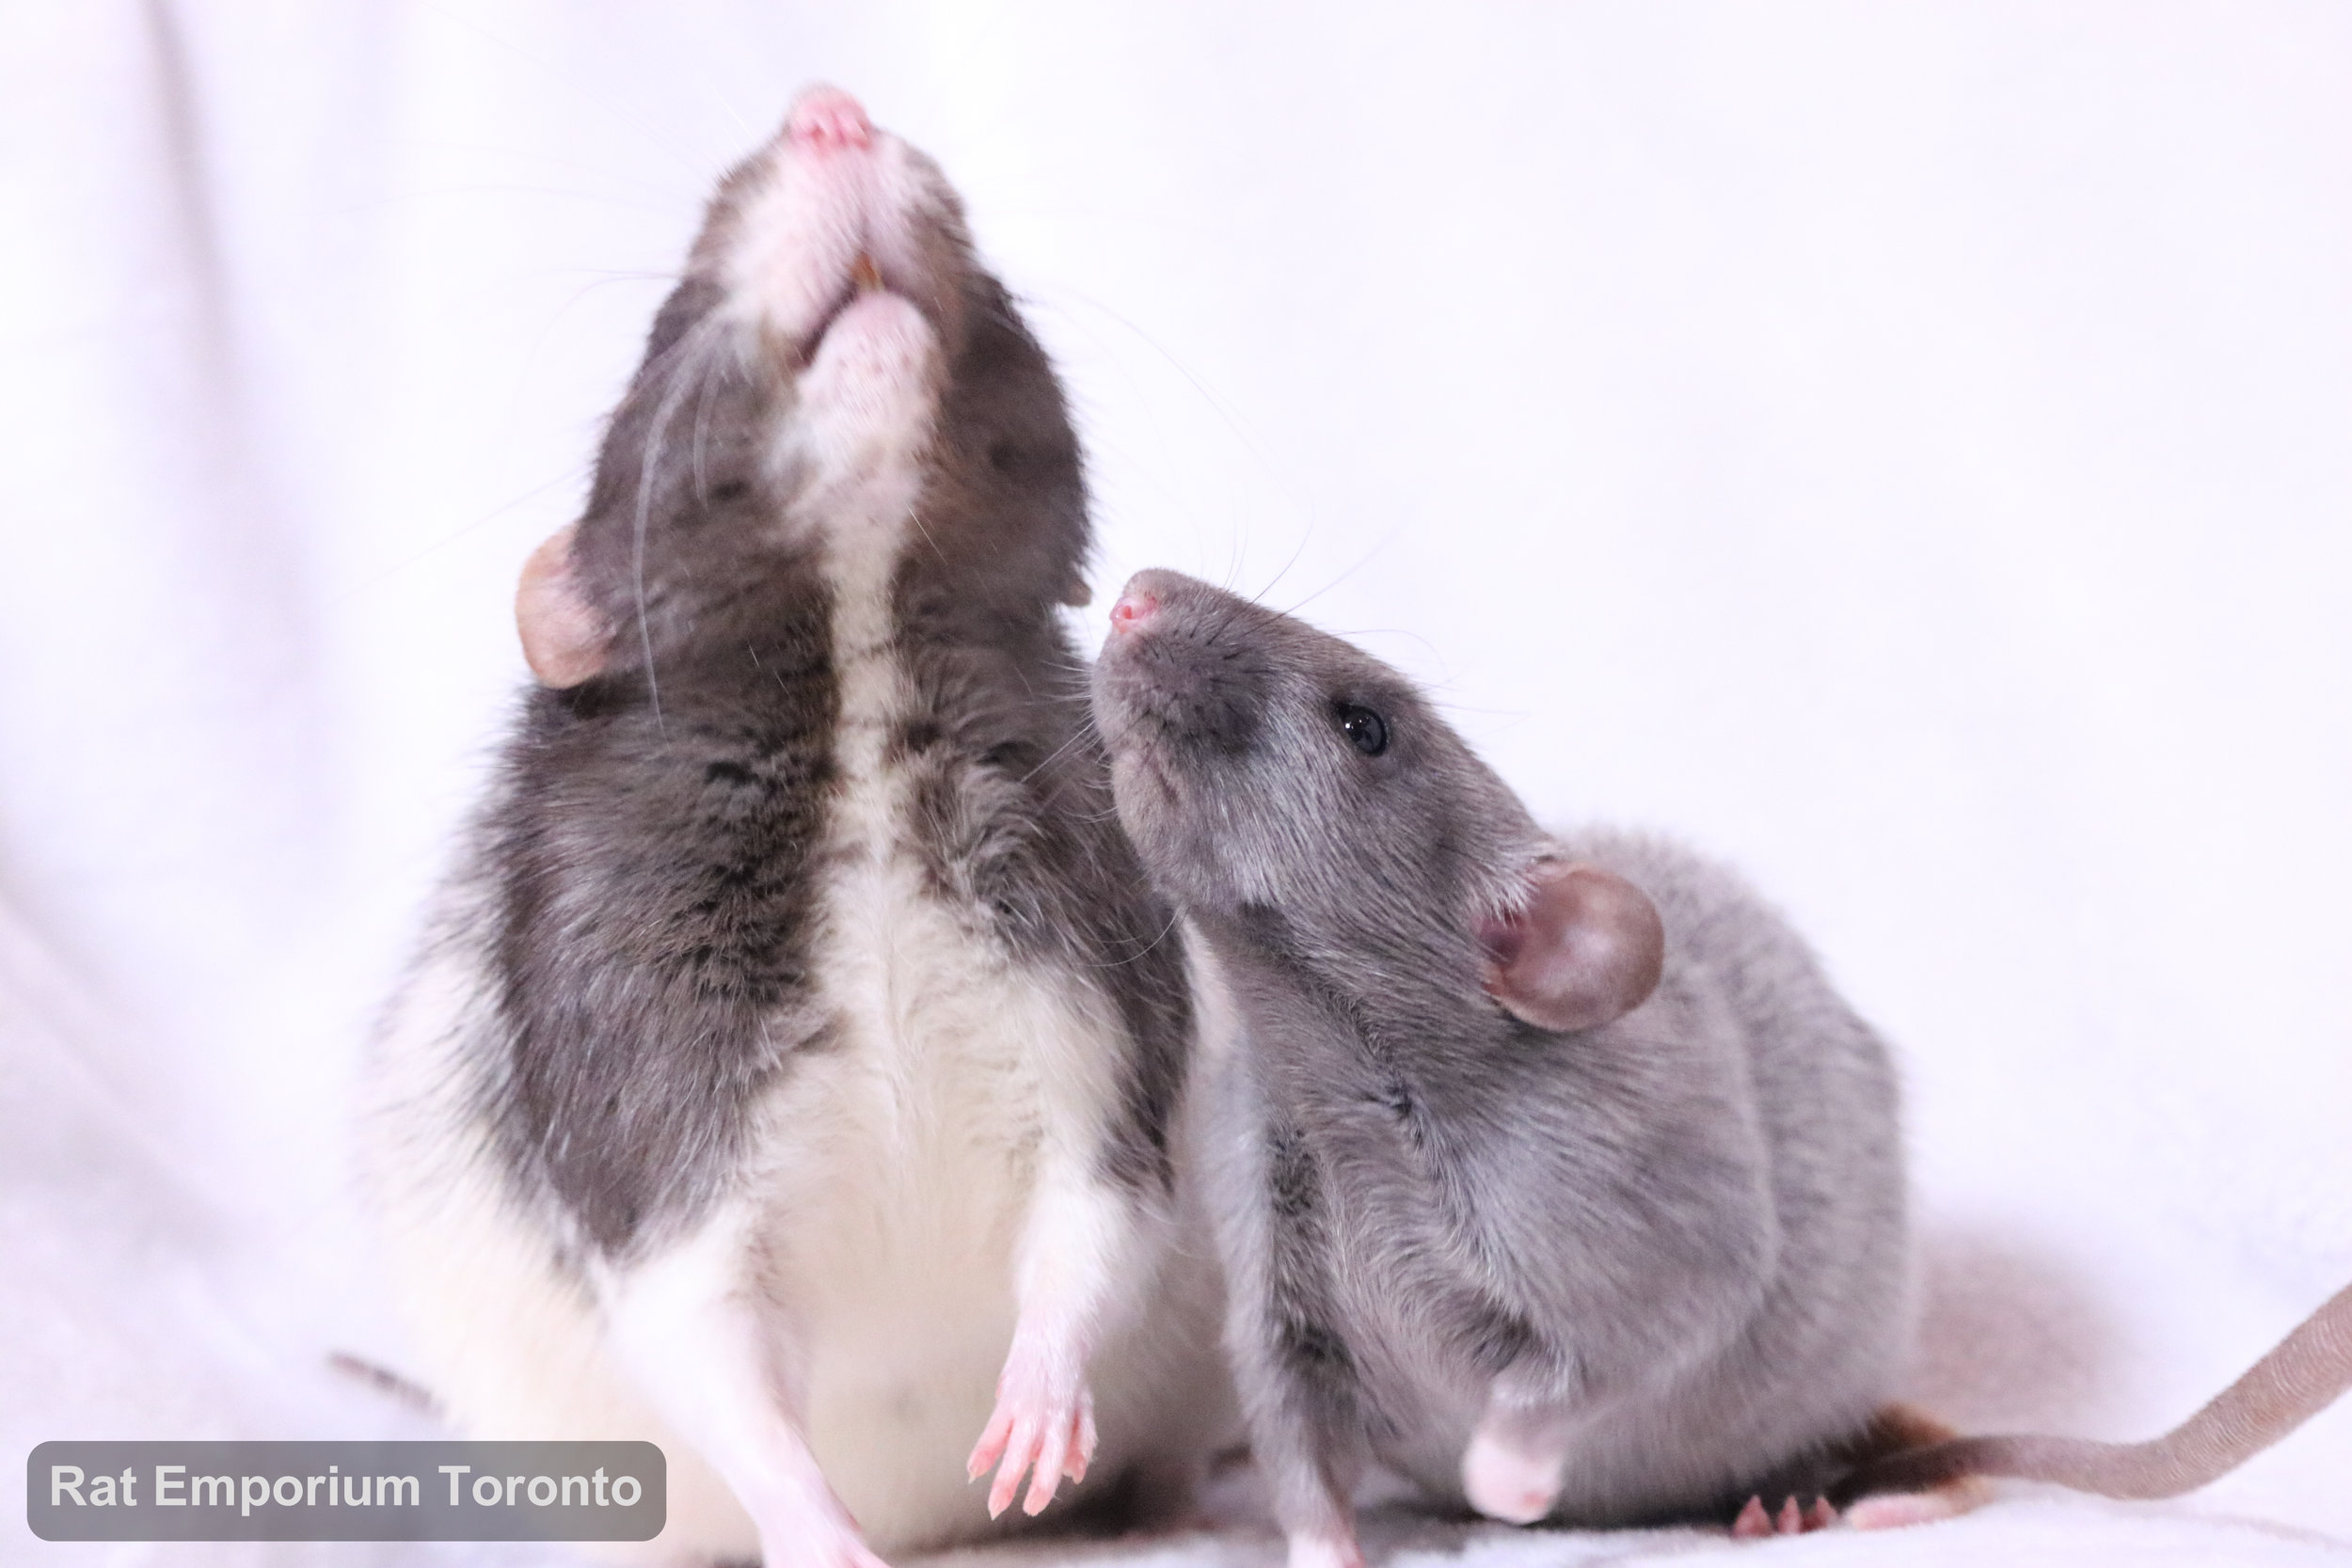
x=1679, y=1237
x=652, y=853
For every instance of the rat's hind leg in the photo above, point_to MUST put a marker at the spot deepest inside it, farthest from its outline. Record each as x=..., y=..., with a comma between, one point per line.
x=1888, y=1510
x=1893, y=1510
x=718, y=1362
x=1896, y=1428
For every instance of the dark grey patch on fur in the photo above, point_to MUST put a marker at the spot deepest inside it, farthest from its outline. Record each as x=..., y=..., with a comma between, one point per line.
x=658, y=881
x=1291, y=1180
x=653, y=834
x=1683, y=1232
x=1015, y=816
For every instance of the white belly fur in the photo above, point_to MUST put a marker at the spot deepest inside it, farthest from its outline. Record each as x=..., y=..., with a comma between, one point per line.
x=902, y=1169
x=891, y=1176
x=896, y=1170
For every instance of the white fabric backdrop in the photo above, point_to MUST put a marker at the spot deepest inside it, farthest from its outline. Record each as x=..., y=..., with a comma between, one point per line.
x=1906, y=448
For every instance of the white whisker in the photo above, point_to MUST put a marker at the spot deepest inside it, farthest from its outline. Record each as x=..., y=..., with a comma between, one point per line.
x=691, y=348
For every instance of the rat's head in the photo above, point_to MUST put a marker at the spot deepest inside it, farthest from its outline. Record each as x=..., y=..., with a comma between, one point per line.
x=1264, y=768
x=835, y=378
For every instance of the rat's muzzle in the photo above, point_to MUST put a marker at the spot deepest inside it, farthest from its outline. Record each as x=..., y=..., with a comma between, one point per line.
x=845, y=262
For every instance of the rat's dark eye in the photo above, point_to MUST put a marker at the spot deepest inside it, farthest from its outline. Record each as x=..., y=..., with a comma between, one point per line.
x=1365, y=730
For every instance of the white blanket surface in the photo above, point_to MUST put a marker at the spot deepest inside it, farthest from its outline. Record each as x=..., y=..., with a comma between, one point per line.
x=1904, y=448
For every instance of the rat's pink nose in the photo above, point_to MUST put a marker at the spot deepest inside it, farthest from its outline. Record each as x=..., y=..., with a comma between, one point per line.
x=827, y=116
x=1136, y=606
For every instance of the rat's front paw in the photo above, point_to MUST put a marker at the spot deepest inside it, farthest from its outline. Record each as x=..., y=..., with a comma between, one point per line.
x=1044, y=1421
x=1507, y=1482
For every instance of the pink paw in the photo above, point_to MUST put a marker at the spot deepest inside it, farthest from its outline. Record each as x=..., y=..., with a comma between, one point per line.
x=1508, y=1483
x=1755, y=1522
x=1044, y=1421
x=827, y=116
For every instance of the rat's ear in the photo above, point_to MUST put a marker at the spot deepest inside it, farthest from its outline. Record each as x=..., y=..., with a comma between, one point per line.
x=565, y=640
x=1586, y=948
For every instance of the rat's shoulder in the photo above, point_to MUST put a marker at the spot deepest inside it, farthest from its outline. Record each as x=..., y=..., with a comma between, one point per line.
x=1725, y=937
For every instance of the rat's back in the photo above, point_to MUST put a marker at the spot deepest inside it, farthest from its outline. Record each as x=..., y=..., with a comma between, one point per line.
x=1814, y=1355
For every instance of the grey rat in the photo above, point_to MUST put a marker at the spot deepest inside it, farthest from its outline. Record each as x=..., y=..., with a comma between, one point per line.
x=1549, y=1171
x=796, y=1067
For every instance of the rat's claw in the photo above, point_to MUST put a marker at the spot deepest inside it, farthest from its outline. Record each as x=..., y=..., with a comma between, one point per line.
x=1044, y=1428
x=1755, y=1521
x=1020, y=1451
x=1058, y=1445
x=991, y=1447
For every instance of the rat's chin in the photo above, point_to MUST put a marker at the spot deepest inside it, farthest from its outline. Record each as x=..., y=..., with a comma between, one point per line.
x=869, y=394
x=1117, y=698
x=1141, y=785
x=1154, y=805
x=1173, y=836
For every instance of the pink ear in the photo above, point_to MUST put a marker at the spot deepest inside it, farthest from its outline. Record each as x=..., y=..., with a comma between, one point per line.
x=1588, y=949
x=564, y=641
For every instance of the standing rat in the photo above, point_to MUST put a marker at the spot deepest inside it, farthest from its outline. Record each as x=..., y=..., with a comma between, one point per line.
x=1550, y=1172
x=794, y=1070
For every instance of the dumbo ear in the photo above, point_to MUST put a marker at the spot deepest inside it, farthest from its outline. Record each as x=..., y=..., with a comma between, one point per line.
x=565, y=640
x=1586, y=950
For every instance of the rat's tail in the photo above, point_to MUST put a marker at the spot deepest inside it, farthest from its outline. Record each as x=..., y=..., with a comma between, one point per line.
x=2279, y=1393
x=386, y=1381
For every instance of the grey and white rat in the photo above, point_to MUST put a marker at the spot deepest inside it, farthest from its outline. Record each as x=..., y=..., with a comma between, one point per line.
x=795, y=1067
x=1550, y=1172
